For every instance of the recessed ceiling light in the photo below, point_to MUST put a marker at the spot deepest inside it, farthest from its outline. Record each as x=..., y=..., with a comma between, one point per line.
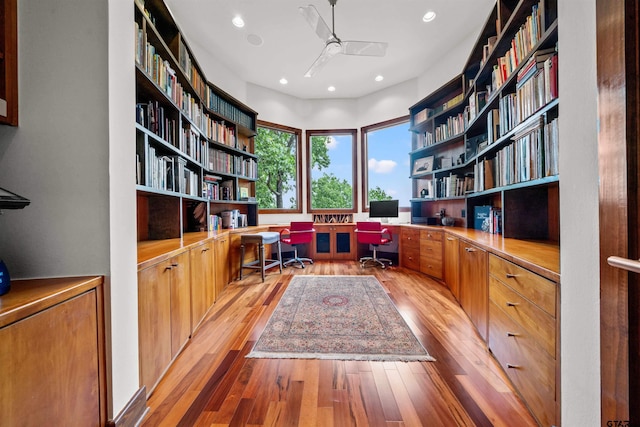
x=283, y=81
x=429, y=16
x=254, y=40
x=331, y=88
x=238, y=21
x=379, y=78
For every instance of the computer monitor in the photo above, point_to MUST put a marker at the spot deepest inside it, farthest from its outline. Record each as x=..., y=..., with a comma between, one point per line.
x=383, y=209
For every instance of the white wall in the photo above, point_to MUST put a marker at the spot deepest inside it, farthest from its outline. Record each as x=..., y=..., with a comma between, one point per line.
x=123, y=312
x=58, y=156
x=579, y=222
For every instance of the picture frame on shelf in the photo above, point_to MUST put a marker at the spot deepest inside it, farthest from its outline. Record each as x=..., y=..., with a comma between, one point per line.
x=422, y=165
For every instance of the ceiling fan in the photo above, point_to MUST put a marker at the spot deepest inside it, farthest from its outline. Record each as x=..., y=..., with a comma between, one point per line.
x=333, y=45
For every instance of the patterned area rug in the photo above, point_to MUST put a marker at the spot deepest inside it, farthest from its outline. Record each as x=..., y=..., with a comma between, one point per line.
x=338, y=317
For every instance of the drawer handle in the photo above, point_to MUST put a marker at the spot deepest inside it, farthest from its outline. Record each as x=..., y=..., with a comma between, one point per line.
x=511, y=276
x=429, y=236
x=451, y=239
x=512, y=334
x=512, y=366
x=205, y=249
x=469, y=249
x=170, y=267
x=512, y=304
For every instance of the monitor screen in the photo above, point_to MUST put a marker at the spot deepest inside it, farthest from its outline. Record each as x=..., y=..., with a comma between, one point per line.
x=383, y=209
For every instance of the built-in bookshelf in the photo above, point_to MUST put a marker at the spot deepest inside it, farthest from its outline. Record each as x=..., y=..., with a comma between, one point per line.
x=9, y=62
x=194, y=146
x=489, y=137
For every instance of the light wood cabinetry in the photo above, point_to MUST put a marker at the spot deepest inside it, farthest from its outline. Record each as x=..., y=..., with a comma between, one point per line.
x=410, y=248
x=451, y=263
x=522, y=333
x=222, y=269
x=431, y=253
x=52, y=359
x=203, y=286
x=474, y=292
x=334, y=241
x=164, y=316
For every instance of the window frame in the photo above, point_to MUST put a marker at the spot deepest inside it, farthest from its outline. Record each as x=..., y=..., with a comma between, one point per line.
x=298, y=133
x=354, y=165
x=364, y=165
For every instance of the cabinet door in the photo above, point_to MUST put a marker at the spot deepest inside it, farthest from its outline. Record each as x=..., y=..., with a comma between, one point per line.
x=410, y=248
x=49, y=367
x=154, y=322
x=451, y=264
x=474, y=288
x=202, y=282
x=221, y=269
x=180, y=302
x=344, y=243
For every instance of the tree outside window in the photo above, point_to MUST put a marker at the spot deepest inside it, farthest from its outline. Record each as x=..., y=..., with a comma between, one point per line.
x=277, y=148
x=331, y=170
x=385, y=165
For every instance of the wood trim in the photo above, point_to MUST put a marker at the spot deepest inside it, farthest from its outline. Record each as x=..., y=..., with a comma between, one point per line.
x=354, y=173
x=364, y=161
x=617, y=156
x=133, y=413
x=298, y=133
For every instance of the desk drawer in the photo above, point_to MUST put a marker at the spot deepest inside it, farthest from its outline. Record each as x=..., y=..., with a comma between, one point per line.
x=529, y=318
x=536, y=289
x=531, y=369
x=431, y=235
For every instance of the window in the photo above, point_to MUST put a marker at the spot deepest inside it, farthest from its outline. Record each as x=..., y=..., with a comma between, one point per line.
x=278, y=151
x=331, y=164
x=385, y=162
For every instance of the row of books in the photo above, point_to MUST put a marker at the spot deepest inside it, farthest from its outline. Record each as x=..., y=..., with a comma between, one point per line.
x=424, y=139
x=222, y=162
x=169, y=173
x=215, y=223
x=453, y=126
x=522, y=43
x=219, y=131
x=537, y=88
x=224, y=108
x=477, y=101
x=454, y=185
x=488, y=219
x=189, y=69
x=154, y=118
x=192, y=145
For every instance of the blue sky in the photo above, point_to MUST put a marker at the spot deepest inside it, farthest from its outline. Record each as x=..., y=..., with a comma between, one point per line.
x=388, y=160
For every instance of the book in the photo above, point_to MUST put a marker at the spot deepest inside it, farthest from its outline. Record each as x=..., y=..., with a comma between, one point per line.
x=480, y=215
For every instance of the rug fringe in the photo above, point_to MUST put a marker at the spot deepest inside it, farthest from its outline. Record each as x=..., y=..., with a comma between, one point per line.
x=333, y=356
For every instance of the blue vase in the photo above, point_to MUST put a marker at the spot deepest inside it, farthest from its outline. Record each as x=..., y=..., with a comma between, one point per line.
x=5, y=281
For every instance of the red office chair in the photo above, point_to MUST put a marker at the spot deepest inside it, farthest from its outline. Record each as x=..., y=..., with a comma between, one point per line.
x=372, y=233
x=298, y=233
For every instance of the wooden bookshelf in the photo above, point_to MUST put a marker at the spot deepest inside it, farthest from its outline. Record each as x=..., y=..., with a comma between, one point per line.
x=8, y=63
x=194, y=146
x=491, y=131
x=487, y=141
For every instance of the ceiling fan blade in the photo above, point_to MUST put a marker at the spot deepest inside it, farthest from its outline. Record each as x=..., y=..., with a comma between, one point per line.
x=325, y=56
x=316, y=22
x=364, y=48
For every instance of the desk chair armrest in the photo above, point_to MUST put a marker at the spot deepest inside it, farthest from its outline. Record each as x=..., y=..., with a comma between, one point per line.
x=285, y=232
x=386, y=231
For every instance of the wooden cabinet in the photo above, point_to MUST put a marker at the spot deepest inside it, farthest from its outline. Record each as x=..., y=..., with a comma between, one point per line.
x=9, y=62
x=451, y=263
x=431, y=253
x=334, y=241
x=522, y=333
x=52, y=354
x=474, y=291
x=410, y=248
x=164, y=316
x=222, y=270
x=203, y=285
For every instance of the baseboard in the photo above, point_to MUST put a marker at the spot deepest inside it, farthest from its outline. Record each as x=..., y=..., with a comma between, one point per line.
x=133, y=412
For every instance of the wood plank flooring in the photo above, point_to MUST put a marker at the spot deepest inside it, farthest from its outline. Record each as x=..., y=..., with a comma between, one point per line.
x=211, y=383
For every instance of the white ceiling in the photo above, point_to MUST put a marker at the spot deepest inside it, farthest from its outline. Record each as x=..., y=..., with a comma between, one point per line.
x=290, y=45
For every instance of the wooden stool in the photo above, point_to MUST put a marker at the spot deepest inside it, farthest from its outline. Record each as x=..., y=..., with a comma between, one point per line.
x=261, y=239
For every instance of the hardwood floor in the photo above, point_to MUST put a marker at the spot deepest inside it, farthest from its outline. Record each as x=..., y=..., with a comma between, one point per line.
x=211, y=383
